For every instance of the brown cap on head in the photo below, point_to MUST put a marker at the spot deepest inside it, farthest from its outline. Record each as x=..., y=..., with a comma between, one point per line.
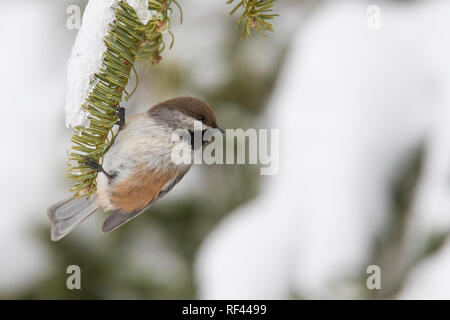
x=189, y=106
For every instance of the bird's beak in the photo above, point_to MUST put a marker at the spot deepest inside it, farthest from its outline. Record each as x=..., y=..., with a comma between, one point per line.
x=220, y=130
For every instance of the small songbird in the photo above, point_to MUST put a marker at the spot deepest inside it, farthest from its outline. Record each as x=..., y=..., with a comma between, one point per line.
x=138, y=169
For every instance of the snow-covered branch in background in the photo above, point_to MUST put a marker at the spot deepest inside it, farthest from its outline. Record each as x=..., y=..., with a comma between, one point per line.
x=354, y=106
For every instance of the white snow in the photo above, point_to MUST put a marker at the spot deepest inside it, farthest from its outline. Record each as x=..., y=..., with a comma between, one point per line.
x=142, y=10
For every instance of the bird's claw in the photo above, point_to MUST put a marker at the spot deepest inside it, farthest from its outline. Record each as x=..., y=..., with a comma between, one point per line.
x=121, y=114
x=90, y=162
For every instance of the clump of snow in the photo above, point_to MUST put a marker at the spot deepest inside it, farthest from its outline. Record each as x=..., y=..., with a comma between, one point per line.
x=142, y=11
x=86, y=58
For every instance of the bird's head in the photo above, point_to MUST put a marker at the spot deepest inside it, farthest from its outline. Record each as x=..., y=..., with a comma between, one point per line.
x=186, y=113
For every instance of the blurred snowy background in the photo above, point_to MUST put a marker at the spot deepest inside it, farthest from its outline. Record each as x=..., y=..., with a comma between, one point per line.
x=360, y=91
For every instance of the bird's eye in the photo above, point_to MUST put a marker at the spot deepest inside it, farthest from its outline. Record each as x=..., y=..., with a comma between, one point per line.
x=200, y=118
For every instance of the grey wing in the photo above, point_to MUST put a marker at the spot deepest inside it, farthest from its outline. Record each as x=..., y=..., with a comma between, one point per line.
x=116, y=218
x=169, y=185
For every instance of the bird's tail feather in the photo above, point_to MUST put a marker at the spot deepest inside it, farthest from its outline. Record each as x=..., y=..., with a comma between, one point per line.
x=67, y=214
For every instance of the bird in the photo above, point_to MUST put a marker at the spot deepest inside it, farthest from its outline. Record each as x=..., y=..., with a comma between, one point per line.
x=139, y=167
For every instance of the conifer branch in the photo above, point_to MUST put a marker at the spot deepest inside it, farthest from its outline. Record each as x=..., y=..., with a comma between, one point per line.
x=255, y=15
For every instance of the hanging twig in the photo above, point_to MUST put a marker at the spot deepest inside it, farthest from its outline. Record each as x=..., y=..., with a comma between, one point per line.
x=255, y=16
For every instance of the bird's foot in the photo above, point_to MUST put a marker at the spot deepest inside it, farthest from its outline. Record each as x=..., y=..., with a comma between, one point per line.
x=121, y=114
x=96, y=166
